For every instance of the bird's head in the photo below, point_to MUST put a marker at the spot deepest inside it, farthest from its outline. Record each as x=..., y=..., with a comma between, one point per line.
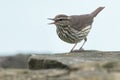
x=60, y=20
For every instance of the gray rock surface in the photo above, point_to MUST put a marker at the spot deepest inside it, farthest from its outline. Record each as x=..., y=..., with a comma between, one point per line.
x=68, y=59
x=16, y=61
x=87, y=65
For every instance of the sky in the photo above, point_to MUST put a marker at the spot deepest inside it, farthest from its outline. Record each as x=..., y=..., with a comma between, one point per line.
x=24, y=25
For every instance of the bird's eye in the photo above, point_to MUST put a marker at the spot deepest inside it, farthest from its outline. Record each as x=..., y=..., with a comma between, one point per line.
x=60, y=19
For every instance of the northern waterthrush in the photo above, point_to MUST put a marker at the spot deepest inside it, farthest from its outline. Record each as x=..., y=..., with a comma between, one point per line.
x=75, y=28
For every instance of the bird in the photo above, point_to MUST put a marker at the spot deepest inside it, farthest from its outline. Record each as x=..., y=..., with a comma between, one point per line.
x=74, y=28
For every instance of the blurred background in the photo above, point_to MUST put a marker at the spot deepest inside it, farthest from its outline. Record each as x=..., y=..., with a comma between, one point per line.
x=24, y=25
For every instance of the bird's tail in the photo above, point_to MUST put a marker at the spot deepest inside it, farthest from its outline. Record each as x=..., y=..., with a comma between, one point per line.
x=94, y=13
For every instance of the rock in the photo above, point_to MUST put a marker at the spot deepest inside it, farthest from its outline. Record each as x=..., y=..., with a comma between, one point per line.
x=65, y=60
x=55, y=74
x=86, y=65
x=17, y=61
x=36, y=64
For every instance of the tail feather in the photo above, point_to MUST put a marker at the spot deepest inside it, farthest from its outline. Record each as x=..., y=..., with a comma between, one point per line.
x=94, y=13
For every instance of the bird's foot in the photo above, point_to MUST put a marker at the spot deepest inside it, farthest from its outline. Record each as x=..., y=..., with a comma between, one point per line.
x=80, y=50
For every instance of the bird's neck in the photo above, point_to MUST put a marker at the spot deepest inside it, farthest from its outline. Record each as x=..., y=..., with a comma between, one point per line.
x=61, y=28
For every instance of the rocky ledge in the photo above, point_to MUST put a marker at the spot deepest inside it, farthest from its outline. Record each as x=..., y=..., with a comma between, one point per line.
x=86, y=65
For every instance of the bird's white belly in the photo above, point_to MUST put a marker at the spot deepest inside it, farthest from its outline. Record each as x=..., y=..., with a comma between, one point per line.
x=74, y=37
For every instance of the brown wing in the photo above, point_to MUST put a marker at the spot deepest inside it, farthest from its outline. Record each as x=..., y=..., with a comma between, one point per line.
x=81, y=21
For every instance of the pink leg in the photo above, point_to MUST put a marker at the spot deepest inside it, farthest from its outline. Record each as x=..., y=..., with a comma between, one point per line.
x=83, y=43
x=73, y=47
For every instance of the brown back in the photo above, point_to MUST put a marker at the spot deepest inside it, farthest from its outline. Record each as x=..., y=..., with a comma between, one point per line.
x=78, y=22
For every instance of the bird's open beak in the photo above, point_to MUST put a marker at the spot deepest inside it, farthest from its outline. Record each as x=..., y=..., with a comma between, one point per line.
x=52, y=20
